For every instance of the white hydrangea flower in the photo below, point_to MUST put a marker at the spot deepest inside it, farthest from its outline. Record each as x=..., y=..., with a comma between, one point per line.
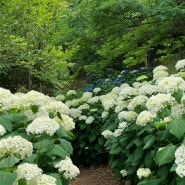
x=170, y=84
x=2, y=130
x=67, y=168
x=116, y=90
x=75, y=113
x=71, y=92
x=56, y=106
x=138, y=100
x=121, y=115
x=108, y=101
x=42, y=125
x=120, y=105
x=30, y=172
x=123, y=125
x=96, y=90
x=145, y=117
x=69, y=103
x=143, y=172
x=31, y=115
x=136, y=84
x=118, y=132
x=8, y=100
x=84, y=106
x=180, y=155
x=180, y=170
x=160, y=74
x=46, y=180
x=160, y=68
x=87, y=95
x=82, y=117
x=15, y=145
x=128, y=92
x=89, y=120
x=158, y=102
x=104, y=114
x=148, y=89
x=66, y=123
x=107, y=133
x=124, y=85
x=93, y=100
x=127, y=115
x=180, y=65
x=177, y=110
x=123, y=173
x=34, y=98
x=60, y=97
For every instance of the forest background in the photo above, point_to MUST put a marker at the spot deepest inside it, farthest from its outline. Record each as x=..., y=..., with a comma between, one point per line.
x=46, y=45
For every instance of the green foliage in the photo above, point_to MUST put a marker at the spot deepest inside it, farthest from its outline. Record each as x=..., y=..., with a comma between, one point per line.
x=7, y=178
x=48, y=150
x=29, y=57
x=108, y=32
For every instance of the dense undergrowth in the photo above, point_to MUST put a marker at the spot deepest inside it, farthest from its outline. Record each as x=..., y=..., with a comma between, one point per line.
x=141, y=121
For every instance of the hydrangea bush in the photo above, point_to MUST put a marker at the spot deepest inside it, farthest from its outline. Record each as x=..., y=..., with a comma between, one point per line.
x=86, y=110
x=149, y=148
x=142, y=124
x=90, y=109
x=36, y=134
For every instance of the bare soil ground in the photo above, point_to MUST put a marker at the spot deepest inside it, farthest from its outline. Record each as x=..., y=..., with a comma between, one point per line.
x=101, y=175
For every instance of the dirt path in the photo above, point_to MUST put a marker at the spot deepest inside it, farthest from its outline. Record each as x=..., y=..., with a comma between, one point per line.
x=101, y=175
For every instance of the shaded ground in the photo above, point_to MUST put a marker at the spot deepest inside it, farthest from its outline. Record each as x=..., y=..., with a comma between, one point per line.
x=101, y=175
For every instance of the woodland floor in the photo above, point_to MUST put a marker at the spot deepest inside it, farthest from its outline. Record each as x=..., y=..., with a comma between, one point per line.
x=101, y=175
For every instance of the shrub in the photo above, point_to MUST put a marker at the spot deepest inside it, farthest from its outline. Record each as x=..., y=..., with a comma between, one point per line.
x=34, y=140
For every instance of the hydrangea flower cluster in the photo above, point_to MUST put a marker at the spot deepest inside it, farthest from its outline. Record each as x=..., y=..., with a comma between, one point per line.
x=160, y=72
x=180, y=160
x=157, y=102
x=106, y=133
x=42, y=125
x=67, y=124
x=2, y=130
x=143, y=172
x=144, y=118
x=33, y=175
x=123, y=173
x=67, y=168
x=180, y=65
x=15, y=145
x=170, y=84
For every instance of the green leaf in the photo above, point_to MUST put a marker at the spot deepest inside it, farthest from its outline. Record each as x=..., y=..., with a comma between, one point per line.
x=92, y=137
x=15, y=118
x=116, y=150
x=160, y=125
x=59, y=151
x=67, y=146
x=6, y=123
x=8, y=162
x=150, y=182
x=100, y=141
x=163, y=172
x=138, y=153
x=149, y=140
x=177, y=127
x=34, y=108
x=165, y=155
x=22, y=182
x=7, y=178
x=44, y=144
x=178, y=95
